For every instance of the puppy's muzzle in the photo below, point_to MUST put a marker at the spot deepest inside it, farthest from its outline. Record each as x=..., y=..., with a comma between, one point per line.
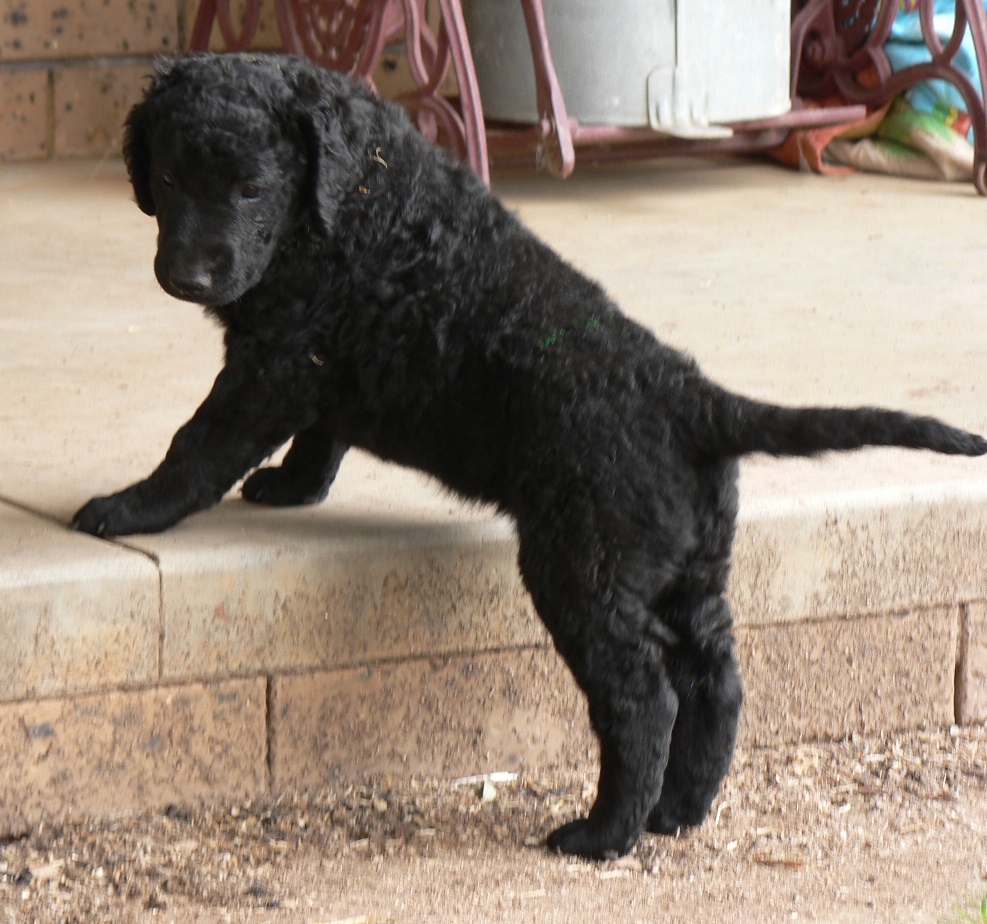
x=198, y=277
x=190, y=281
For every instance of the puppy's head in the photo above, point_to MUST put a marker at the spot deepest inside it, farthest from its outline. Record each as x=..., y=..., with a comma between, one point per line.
x=225, y=152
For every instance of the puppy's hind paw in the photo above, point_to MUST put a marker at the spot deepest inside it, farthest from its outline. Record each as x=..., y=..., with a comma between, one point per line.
x=668, y=823
x=580, y=839
x=679, y=811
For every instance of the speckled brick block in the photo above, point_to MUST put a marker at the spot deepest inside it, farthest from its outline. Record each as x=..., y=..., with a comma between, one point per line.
x=971, y=668
x=91, y=104
x=824, y=680
x=47, y=29
x=24, y=98
x=450, y=716
x=113, y=752
x=859, y=556
x=516, y=709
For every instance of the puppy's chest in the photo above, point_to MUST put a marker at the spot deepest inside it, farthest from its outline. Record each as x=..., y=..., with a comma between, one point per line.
x=290, y=356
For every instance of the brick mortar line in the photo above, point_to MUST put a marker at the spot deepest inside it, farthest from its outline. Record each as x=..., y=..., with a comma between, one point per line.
x=161, y=620
x=267, y=675
x=126, y=688
x=843, y=618
x=269, y=733
x=962, y=653
x=50, y=112
x=388, y=661
x=271, y=675
x=185, y=13
x=24, y=508
x=82, y=61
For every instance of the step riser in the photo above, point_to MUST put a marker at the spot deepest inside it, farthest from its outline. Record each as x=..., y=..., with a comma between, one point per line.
x=113, y=752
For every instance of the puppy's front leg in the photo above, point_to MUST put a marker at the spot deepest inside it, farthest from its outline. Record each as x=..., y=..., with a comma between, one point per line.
x=305, y=475
x=248, y=414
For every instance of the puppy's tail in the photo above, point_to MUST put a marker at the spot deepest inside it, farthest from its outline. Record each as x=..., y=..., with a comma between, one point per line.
x=737, y=426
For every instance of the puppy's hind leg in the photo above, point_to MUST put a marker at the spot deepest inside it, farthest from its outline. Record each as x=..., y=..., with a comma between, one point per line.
x=706, y=679
x=632, y=703
x=305, y=475
x=632, y=714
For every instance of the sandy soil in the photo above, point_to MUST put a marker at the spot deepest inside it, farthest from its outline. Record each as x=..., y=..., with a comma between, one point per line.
x=866, y=830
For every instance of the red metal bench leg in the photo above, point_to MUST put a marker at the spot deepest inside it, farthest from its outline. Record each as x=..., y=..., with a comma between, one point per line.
x=349, y=36
x=833, y=43
x=556, y=136
x=469, y=92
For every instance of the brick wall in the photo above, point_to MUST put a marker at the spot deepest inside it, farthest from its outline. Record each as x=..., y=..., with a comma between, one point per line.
x=71, y=69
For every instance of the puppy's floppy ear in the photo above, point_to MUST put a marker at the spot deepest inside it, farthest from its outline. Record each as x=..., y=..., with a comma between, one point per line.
x=137, y=155
x=327, y=115
x=136, y=131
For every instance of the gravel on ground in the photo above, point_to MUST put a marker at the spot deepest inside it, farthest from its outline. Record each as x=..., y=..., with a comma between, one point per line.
x=871, y=829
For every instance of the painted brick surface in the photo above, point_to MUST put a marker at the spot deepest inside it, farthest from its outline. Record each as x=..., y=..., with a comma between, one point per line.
x=91, y=104
x=24, y=98
x=822, y=561
x=47, y=29
x=113, y=752
x=77, y=614
x=277, y=603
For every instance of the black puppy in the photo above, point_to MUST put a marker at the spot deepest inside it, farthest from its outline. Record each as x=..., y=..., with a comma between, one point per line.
x=375, y=294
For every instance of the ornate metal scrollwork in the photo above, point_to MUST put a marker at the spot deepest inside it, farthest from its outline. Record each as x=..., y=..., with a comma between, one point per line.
x=218, y=11
x=838, y=46
x=338, y=34
x=350, y=35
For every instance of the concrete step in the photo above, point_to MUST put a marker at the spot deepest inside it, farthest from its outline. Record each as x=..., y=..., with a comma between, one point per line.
x=387, y=629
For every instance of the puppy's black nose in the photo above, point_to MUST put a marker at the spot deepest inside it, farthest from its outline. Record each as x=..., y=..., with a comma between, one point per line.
x=190, y=280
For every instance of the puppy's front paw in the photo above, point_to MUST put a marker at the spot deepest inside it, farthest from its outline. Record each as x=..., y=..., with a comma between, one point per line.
x=105, y=516
x=580, y=839
x=279, y=487
x=91, y=517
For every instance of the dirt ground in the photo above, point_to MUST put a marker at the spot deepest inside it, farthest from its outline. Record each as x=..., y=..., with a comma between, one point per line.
x=864, y=830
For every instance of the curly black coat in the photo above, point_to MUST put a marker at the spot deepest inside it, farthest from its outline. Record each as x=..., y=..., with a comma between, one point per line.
x=375, y=294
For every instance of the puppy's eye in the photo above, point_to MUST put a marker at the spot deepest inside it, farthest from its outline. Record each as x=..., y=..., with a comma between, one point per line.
x=168, y=180
x=250, y=191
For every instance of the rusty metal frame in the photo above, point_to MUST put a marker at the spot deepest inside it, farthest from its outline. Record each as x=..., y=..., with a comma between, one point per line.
x=841, y=50
x=350, y=35
x=835, y=43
